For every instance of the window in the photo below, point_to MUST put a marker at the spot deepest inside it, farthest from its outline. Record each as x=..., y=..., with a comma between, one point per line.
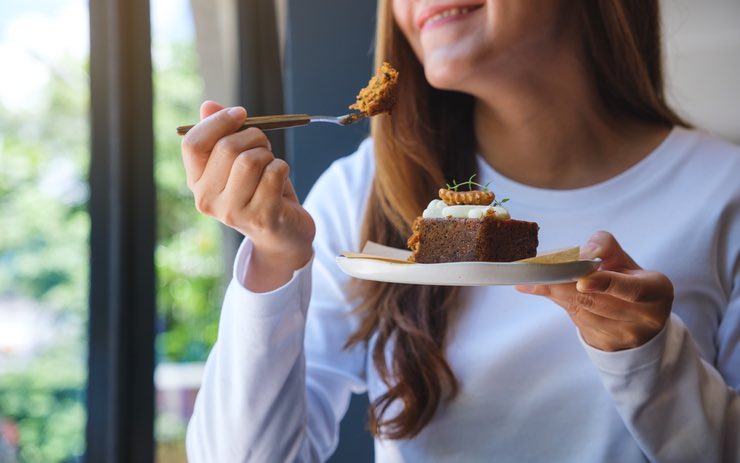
x=91, y=291
x=44, y=229
x=189, y=258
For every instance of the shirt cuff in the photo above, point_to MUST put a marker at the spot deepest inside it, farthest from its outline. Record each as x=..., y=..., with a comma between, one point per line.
x=295, y=292
x=630, y=360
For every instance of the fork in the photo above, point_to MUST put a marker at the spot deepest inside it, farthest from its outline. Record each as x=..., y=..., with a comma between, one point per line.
x=288, y=120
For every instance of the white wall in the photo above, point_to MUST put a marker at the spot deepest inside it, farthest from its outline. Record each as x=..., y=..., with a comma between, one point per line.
x=216, y=40
x=703, y=62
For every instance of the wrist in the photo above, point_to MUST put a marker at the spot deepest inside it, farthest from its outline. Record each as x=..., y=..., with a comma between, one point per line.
x=268, y=270
x=290, y=259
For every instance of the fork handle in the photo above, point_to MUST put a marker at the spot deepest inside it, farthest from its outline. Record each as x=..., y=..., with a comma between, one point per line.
x=264, y=122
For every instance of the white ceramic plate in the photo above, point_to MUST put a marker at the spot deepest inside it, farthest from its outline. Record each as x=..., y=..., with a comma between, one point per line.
x=466, y=273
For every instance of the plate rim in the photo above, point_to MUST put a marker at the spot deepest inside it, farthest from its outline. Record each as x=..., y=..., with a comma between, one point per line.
x=585, y=266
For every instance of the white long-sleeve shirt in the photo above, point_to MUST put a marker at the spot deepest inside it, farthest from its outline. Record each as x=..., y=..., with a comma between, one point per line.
x=278, y=381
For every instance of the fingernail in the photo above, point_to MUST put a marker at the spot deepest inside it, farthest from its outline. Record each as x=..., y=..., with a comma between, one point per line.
x=237, y=113
x=525, y=288
x=583, y=286
x=590, y=250
x=591, y=285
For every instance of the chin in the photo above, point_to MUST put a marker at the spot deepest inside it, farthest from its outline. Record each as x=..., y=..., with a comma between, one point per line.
x=446, y=76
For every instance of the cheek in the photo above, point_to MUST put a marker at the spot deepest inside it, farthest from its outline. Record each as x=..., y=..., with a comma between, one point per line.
x=403, y=14
x=528, y=22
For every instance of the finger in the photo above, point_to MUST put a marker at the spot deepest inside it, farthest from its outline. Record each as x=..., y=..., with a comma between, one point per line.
x=209, y=107
x=635, y=286
x=245, y=176
x=224, y=154
x=198, y=143
x=649, y=316
x=270, y=190
x=603, y=245
x=574, y=301
x=289, y=191
x=273, y=180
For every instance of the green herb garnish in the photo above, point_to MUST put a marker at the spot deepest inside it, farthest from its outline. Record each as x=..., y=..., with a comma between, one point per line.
x=470, y=184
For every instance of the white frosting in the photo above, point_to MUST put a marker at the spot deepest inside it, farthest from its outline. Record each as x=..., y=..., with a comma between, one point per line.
x=437, y=209
x=434, y=209
x=501, y=212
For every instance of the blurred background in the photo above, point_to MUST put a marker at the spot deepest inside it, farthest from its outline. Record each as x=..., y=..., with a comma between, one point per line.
x=110, y=282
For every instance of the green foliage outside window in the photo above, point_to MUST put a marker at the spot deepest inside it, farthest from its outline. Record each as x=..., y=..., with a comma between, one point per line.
x=44, y=255
x=44, y=150
x=190, y=267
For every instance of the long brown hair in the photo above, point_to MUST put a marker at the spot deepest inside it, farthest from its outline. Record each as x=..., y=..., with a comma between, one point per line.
x=427, y=142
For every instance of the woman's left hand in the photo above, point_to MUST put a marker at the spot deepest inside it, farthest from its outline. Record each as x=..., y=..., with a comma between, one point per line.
x=620, y=306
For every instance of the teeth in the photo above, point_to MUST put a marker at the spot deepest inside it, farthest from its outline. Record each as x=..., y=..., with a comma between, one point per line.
x=448, y=13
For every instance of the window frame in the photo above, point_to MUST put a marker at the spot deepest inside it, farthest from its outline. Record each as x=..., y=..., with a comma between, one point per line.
x=122, y=207
x=120, y=393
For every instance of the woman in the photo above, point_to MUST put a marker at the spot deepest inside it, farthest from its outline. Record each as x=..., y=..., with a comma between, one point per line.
x=560, y=106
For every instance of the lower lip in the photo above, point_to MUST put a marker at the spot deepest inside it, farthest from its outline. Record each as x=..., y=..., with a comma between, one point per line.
x=442, y=21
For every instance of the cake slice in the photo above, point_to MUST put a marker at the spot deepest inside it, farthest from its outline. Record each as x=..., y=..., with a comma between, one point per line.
x=470, y=227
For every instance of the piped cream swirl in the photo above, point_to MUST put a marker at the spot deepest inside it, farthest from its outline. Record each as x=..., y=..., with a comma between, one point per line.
x=437, y=209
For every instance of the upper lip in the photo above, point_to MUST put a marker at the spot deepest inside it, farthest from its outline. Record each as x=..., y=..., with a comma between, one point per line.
x=431, y=11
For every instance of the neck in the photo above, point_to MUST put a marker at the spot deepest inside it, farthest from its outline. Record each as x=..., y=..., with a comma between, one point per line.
x=546, y=128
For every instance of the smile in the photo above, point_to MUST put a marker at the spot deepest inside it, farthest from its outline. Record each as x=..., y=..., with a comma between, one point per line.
x=437, y=15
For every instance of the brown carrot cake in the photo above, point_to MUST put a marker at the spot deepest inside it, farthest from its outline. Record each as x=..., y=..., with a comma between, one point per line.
x=380, y=94
x=470, y=226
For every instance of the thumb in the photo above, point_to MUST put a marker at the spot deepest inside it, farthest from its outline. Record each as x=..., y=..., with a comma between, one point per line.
x=209, y=107
x=604, y=246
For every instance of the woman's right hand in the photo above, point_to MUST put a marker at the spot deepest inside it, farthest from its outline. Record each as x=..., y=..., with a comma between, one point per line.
x=236, y=179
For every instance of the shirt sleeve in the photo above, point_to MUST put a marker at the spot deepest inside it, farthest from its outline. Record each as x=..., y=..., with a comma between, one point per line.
x=278, y=380
x=678, y=407
x=253, y=380
x=678, y=400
